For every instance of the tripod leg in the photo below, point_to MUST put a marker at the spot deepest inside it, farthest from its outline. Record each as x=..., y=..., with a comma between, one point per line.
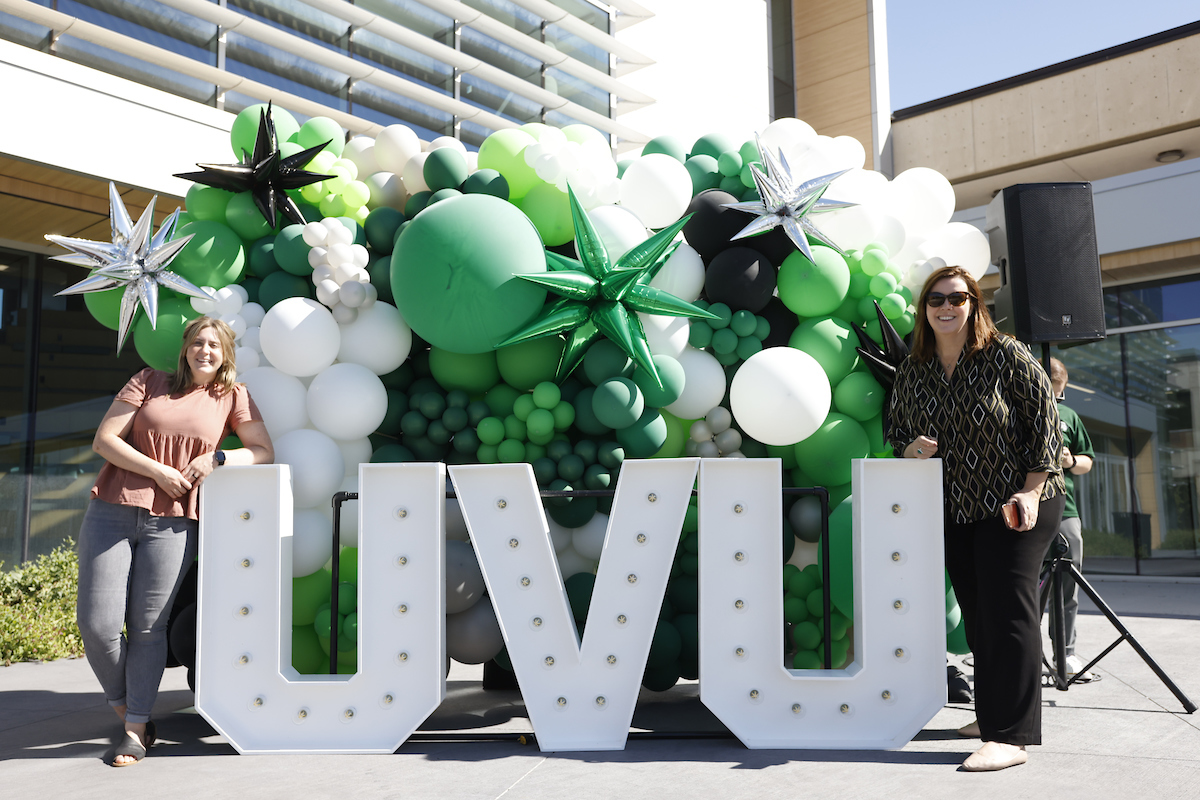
x=1188, y=705
x=1056, y=619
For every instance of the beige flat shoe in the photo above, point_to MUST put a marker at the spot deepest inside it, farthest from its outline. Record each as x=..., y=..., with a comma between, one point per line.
x=995, y=756
x=970, y=730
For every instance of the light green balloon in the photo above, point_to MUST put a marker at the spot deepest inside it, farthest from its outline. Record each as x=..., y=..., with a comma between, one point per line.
x=318, y=130
x=243, y=216
x=550, y=211
x=831, y=342
x=814, y=288
x=859, y=396
x=827, y=453
x=159, y=346
x=474, y=373
x=105, y=307
x=245, y=127
x=308, y=593
x=207, y=202
x=673, y=445
x=214, y=257
x=504, y=151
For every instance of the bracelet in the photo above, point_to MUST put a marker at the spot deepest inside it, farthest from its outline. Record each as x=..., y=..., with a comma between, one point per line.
x=1074, y=461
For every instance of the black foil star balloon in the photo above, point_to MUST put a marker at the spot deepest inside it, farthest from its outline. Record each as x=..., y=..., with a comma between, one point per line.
x=265, y=172
x=882, y=361
x=599, y=297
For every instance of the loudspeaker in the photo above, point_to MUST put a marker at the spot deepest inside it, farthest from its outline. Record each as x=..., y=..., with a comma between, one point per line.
x=1043, y=241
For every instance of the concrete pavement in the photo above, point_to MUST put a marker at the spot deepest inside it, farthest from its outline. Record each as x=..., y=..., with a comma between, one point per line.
x=1123, y=736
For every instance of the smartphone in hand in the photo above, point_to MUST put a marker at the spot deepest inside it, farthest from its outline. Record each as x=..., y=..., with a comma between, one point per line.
x=1012, y=514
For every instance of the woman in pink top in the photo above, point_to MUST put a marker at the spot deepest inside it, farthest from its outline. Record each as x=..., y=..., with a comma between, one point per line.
x=160, y=439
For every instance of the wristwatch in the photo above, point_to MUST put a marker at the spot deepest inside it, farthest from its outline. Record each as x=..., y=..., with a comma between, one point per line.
x=219, y=457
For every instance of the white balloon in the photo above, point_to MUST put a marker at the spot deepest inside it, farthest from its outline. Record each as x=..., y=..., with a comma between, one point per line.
x=588, y=540
x=354, y=452
x=369, y=300
x=352, y=294
x=657, y=188
x=414, y=174
x=360, y=256
x=379, y=339
x=340, y=254
x=571, y=562
x=312, y=541
x=473, y=636
x=472, y=161
x=464, y=579
x=338, y=233
x=328, y=291
x=560, y=536
x=960, y=244
x=236, y=324
x=300, y=336
x=922, y=199
x=394, y=146
x=450, y=142
x=700, y=431
x=789, y=135
x=456, y=523
x=315, y=234
x=387, y=189
x=728, y=441
x=347, y=401
x=704, y=384
x=202, y=306
x=348, y=523
x=344, y=314
x=719, y=419
x=846, y=152
x=682, y=275
x=361, y=152
x=667, y=336
x=780, y=395
x=253, y=313
x=246, y=359
x=862, y=186
x=241, y=292
x=316, y=465
x=251, y=338
x=619, y=229
x=281, y=398
x=318, y=257
x=708, y=449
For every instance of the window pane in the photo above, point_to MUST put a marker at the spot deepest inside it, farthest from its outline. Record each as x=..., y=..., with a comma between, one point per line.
x=386, y=108
x=15, y=29
x=577, y=48
x=501, y=56
x=571, y=88
x=134, y=69
x=1163, y=301
x=266, y=64
x=413, y=16
x=403, y=61
x=482, y=94
x=510, y=14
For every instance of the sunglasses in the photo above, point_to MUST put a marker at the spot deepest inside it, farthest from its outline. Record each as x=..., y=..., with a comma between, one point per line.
x=935, y=299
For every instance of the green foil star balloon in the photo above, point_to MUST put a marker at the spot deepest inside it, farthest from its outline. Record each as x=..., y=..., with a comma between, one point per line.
x=600, y=298
x=785, y=202
x=132, y=259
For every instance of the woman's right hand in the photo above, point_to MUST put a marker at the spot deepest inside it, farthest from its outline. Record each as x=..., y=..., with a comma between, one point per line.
x=171, y=481
x=921, y=447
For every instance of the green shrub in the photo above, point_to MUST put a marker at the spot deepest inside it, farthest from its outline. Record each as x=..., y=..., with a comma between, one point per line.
x=37, y=608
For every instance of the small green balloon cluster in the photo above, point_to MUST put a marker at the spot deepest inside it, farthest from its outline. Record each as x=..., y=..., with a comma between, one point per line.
x=522, y=424
x=585, y=465
x=714, y=162
x=733, y=337
x=446, y=174
x=804, y=620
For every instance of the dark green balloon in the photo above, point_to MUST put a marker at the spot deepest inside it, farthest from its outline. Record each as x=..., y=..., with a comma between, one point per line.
x=618, y=403
x=445, y=168
x=605, y=360
x=579, y=589
x=380, y=270
x=672, y=146
x=486, y=181
x=261, y=256
x=665, y=647
x=644, y=437
x=527, y=364
x=281, y=285
x=474, y=373
x=703, y=171
x=380, y=227
x=442, y=194
x=585, y=418
x=574, y=514
x=714, y=144
x=416, y=203
x=291, y=252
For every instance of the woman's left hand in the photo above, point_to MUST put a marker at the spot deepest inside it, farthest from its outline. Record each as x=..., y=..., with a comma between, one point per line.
x=1028, y=502
x=199, y=469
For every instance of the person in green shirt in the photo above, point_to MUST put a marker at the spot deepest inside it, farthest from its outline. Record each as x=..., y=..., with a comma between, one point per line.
x=1077, y=459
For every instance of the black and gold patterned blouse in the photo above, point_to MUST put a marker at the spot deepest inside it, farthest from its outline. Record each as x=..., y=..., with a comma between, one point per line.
x=994, y=420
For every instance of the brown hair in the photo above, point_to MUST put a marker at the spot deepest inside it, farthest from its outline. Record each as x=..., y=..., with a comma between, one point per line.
x=981, y=331
x=1058, y=372
x=182, y=379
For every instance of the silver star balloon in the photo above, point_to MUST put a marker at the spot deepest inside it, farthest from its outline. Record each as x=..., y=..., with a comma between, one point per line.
x=785, y=202
x=132, y=259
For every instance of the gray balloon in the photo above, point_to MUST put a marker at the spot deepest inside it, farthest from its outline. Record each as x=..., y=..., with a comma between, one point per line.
x=805, y=516
x=464, y=580
x=473, y=636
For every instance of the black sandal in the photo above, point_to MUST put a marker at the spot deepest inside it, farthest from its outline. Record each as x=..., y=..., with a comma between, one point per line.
x=130, y=747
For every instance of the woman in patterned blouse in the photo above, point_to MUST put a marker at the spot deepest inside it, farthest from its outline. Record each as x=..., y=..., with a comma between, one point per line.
x=978, y=400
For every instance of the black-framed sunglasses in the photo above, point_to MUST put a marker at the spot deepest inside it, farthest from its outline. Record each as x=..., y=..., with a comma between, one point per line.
x=935, y=299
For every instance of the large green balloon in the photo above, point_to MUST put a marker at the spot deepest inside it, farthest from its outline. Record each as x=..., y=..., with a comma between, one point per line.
x=247, y=221
x=291, y=252
x=859, y=396
x=826, y=454
x=318, y=130
x=307, y=656
x=504, y=151
x=207, y=202
x=841, y=558
x=105, y=307
x=550, y=211
x=474, y=373
x=814, y=288
x=527, y=364
x=454, y=273
x=831, y=342
x=159, y=346
x=245, y=127
x=214, y=256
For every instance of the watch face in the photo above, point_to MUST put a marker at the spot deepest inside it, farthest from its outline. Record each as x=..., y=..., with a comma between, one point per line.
x=220, y=455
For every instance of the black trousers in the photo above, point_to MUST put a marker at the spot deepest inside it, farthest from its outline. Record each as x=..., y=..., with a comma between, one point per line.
x=995, y=571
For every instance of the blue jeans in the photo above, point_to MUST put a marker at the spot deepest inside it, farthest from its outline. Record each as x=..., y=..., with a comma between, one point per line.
x=130, y=567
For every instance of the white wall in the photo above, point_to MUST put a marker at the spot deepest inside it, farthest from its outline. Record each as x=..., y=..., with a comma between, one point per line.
x=81, y=120
x=712, y=70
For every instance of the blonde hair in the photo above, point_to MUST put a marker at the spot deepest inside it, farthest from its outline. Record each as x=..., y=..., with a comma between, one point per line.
x=182, y=380
x=981, y=331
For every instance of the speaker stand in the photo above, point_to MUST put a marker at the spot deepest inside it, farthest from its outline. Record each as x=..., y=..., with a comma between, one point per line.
x=1051, y=589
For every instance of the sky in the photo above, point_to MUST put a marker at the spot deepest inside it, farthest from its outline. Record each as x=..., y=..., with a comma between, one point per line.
x=940, y=47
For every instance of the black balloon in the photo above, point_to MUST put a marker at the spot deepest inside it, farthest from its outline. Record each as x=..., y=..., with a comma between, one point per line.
x=740, y=278
x=782, y=321
x=182, y=637
x=774, y=244
x=712, y=225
